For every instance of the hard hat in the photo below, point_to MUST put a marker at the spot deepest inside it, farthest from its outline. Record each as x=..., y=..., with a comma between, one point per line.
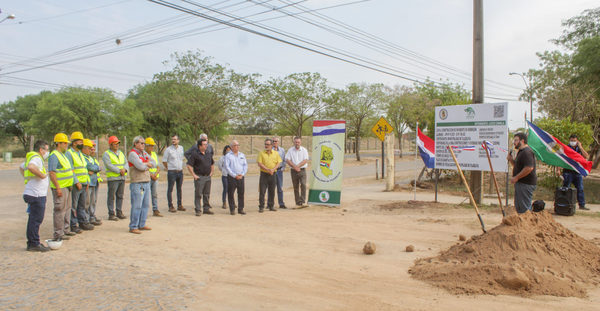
x=76, y=136
x=61, y=138
x=53, y=244
x=150, y=141
x=113, y=139
x=88, y=143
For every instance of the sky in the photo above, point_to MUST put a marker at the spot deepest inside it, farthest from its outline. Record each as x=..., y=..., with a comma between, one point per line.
x=75, y=42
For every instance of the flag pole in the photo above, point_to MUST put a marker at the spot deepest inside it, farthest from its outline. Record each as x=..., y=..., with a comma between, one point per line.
x=487, y=153
x=468, y=189
x=416, y=159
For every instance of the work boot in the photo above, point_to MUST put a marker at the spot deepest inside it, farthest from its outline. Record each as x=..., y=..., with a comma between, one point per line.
x=156, y=213
x=120, y=215
x=198, y=213
x=37, y=248
x=261, y=209
x=64, y=237
x=232, y=212
x=242, y=212
x=282, y=206
x=86, y=226
x=272, y=209
x=112, y=217
x=69, y=234
x=135, y=231
x=224, y=206
x=145, y=228
x=181, y=208
x=172, y=209
x=76, y=230
x=96, y=222
x=208, y=212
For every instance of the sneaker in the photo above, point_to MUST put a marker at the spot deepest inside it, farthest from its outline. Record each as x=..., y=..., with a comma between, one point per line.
x=208, y=212
x=112, y=217
x=198, y=213
x=181, y=208
x=135, y=231
x=584, y=208
x=172, y=209
x=156, y=213
x=121, y=216
x=38, y=248
x=146, y=228
x=86, y=226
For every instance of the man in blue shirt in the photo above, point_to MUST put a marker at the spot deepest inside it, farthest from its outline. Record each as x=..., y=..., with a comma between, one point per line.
x=571, y=176
x=237, y=167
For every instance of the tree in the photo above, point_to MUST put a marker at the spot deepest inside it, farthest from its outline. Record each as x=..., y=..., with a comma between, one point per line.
x=74, y=109
x=292, y=101
x=402, y=108
x=562, y=129
x=355, y=104
x=15, y=115
x=438, y=94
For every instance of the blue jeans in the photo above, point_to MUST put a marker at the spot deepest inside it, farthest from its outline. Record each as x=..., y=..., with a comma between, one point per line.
x=224, y=194
x=577, y=180
x=78, y=211
x=279, y=175
x=154, y=194
x=174, y=177
x=140, y=199
x=36, y=206
x=114, y=196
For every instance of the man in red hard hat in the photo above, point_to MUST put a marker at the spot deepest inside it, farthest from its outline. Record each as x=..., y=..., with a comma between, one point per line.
x=115, y=163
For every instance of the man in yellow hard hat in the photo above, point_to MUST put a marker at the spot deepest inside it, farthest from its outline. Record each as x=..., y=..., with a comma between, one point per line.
x=79, y=216
x=93, y=168
x=115, y=163
x=150, y=144
x=62, y=179
x=36, y=190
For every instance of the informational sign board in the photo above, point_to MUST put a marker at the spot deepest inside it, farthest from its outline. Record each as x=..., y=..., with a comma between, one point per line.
x=466, y=127
x=381, y=128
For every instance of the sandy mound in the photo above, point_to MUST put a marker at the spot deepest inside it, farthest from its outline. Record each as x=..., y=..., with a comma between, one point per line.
x=530, y=254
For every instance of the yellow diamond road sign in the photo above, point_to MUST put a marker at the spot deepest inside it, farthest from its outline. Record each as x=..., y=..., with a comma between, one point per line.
x=381, y=128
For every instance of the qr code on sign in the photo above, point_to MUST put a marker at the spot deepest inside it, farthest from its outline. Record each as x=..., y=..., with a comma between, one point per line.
x=499, y=111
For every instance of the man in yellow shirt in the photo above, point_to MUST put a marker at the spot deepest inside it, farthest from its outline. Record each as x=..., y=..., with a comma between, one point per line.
x=268, y=162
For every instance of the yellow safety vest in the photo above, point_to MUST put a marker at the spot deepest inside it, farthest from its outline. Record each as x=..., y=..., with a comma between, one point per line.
x=93, y=160
x=118, y=161
x=65, y=174
x=28, y=174
x=154, y=169
x=79, y=167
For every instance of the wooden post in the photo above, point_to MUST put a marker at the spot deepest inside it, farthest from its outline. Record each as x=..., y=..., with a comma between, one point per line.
x=389, y=162
x=487, y=152
x=468, y=189
x=376, y=169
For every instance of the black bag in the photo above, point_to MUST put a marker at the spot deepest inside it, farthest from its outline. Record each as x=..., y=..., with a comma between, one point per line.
x=564, y=201
x=538, y=205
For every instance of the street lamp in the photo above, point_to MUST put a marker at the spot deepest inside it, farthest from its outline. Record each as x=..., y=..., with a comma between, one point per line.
x=528, y=93
x=10, y=16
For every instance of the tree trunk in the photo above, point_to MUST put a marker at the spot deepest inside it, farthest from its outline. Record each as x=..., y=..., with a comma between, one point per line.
x=597, y=159
x=400, y=143
x=421, y=174
x=357, y=149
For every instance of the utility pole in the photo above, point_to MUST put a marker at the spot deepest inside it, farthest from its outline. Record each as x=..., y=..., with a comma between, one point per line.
x=476, y=182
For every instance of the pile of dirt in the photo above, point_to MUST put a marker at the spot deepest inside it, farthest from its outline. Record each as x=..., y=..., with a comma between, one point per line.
x=529, y=254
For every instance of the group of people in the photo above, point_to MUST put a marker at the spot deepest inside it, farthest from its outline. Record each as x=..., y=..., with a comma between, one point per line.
x=525, y=178
x=73, y=174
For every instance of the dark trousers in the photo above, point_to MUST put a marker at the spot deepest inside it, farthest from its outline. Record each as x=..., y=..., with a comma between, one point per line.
x=202, y=193
x=114, y=196
x=36, y=207
x=576, y=179
x=299, y=183
x=174, y=177
x=266, y=182
x=224, y=181
x=232, y=185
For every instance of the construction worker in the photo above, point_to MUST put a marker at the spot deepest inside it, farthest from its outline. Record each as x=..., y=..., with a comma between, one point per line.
x=93, y=168
x=36, y=190
x=61, y=182
x=150, y=143
x=79, y=216
x=115, y=163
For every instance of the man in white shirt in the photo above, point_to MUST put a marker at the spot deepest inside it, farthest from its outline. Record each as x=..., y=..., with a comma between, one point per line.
x=36, y=190
x=173, y=163
x=297, y=159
